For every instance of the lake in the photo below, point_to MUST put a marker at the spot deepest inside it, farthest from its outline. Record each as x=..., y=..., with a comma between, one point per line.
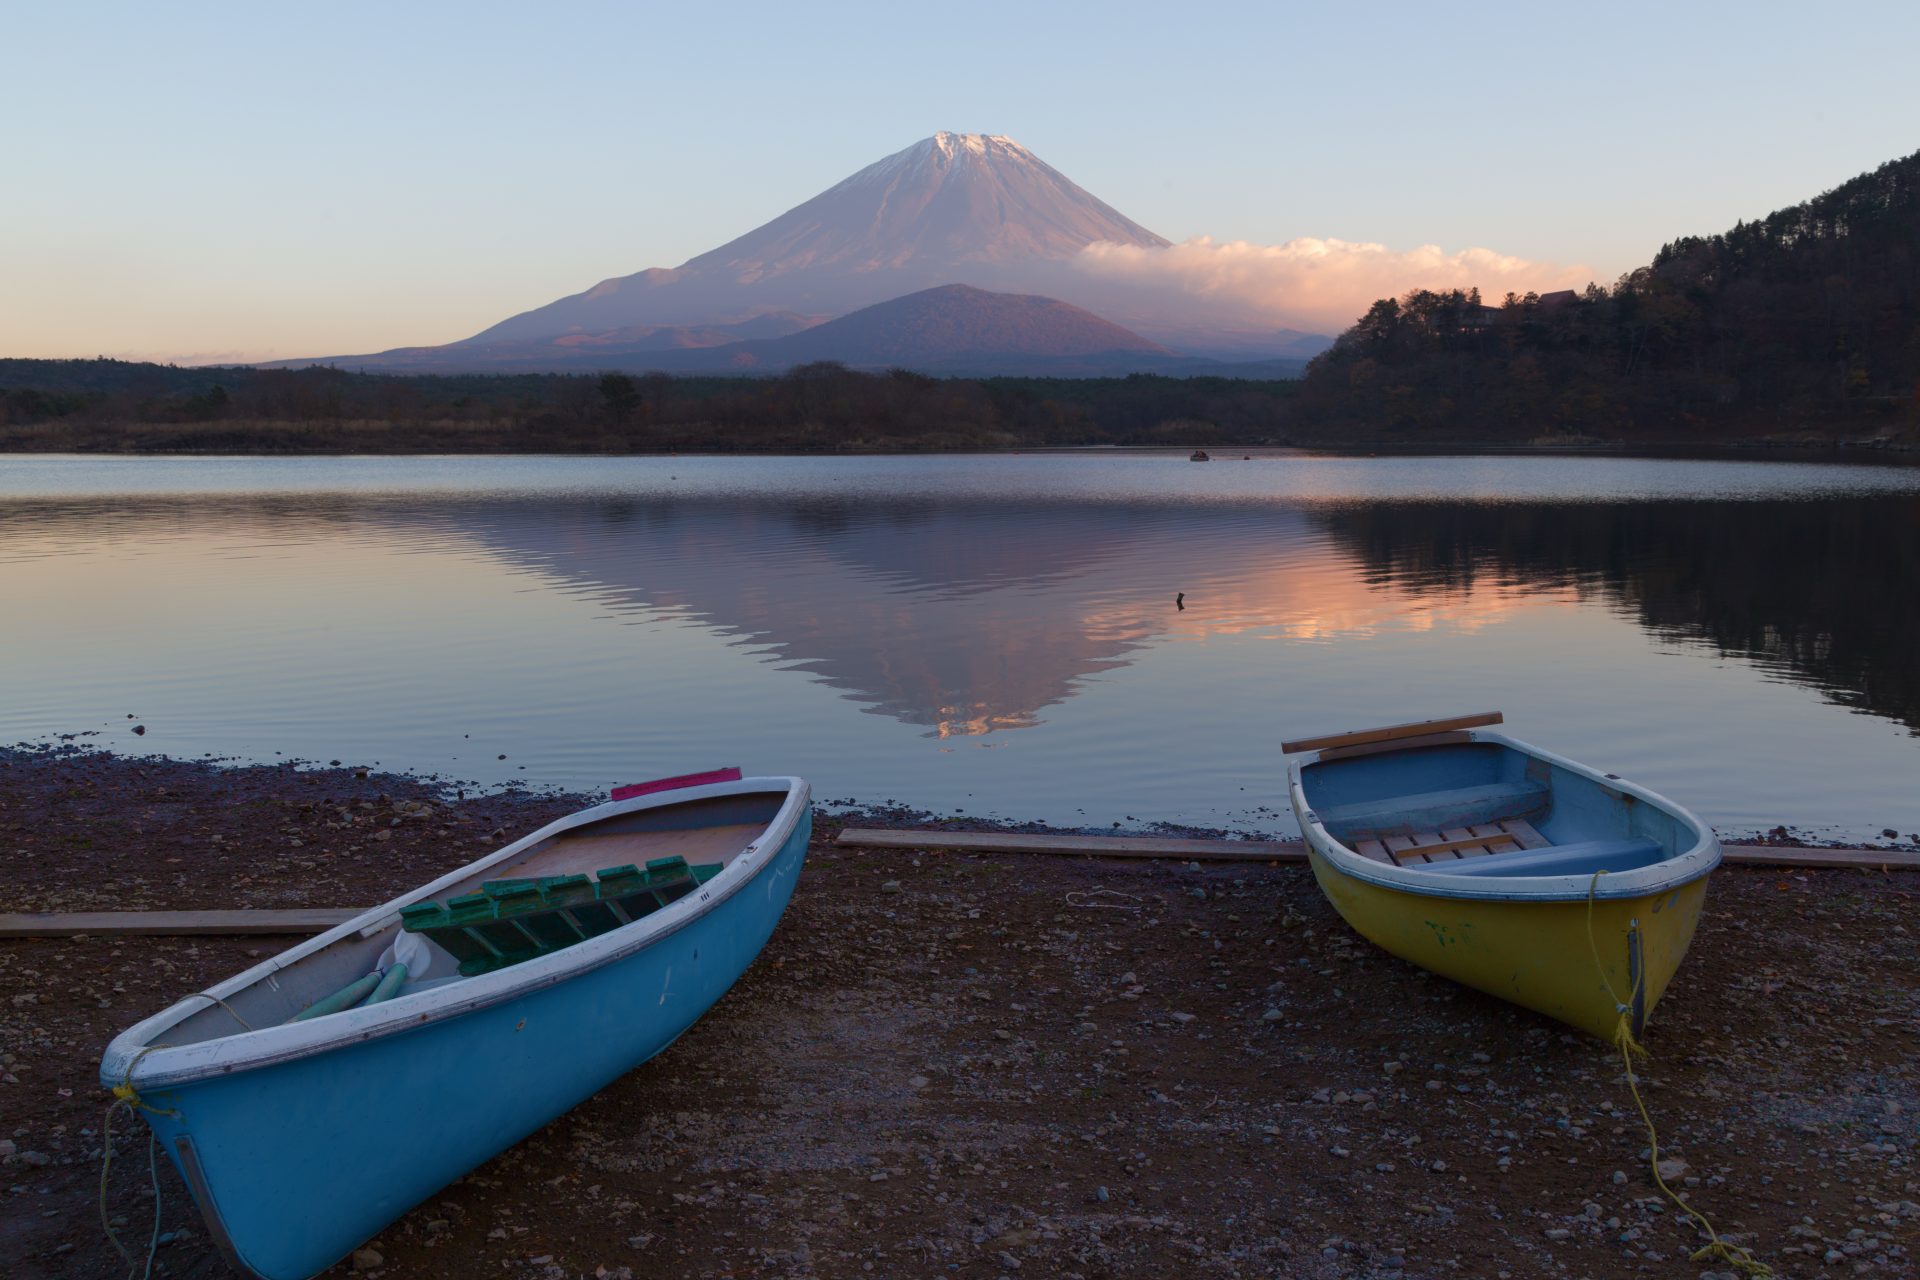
x=998, y=635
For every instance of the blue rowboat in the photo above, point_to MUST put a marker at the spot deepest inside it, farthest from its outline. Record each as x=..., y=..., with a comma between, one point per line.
x=1504, y=866
x=302, y=1138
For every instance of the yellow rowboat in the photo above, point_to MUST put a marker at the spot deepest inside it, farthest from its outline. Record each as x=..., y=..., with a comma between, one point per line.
x=1505, y=867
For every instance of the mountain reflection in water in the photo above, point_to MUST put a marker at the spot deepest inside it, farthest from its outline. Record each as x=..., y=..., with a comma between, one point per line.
x=932, y=615
x=964, y=617
x=1008, y=626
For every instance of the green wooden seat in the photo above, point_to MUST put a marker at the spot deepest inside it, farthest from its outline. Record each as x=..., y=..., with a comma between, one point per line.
x=507, y=921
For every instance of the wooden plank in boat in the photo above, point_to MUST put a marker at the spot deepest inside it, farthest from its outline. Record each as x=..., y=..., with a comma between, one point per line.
x=1375, y=850
x=1428, y=846
x=66, y=924
x=1466, y=844
x=1523, y=832
x=1416, y=729
x=1499, y=839
x=1398, y=744
x=1446, y=850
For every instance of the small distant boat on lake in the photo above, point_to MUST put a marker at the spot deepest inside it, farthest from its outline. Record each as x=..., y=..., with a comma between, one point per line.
x=1200, y=455
x=1505, y=867
x=315, y=1098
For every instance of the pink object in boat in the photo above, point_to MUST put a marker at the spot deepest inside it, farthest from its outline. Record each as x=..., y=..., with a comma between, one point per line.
x=631, y=790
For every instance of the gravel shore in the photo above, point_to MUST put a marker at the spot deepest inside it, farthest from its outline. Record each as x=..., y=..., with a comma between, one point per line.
x=988, y=1066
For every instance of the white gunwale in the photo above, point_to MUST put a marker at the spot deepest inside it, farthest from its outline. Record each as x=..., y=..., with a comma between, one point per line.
x=1698, y=860
x=129, y=1058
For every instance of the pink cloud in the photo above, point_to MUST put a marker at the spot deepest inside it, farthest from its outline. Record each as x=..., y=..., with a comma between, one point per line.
x=1314, y=283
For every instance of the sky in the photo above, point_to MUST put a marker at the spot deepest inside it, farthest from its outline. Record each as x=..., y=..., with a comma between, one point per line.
x=221, y=182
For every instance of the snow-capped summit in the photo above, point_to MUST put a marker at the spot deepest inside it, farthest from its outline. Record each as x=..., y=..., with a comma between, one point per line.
x=943, y=150
x=955, y=208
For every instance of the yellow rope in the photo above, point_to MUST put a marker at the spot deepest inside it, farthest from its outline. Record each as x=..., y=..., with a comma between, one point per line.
x=125, y=1096
x=124, y=1091
x=1734, y=1255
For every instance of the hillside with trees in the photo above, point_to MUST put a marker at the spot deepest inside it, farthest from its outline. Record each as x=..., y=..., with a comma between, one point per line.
x=1807, y=320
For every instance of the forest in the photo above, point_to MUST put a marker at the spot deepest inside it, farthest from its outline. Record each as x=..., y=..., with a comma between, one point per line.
x=116, y=406
x=1807, y=320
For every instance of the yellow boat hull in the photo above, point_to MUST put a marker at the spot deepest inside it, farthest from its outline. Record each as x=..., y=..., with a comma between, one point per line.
x=1532, y=952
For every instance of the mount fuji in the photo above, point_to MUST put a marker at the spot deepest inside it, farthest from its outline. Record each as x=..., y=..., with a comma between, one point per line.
x=954, y=209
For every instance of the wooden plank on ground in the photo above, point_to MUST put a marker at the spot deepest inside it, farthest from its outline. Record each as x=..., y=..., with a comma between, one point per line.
x=1417, y=729
x=65, y=924
x=1780, y=855
x=1293, y=850
x=1099, y=846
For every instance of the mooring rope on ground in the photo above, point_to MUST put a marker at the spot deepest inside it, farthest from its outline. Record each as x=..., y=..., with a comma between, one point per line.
x=1630, y=1049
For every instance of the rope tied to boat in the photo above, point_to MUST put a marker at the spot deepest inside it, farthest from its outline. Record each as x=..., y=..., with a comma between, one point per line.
x=126, y=1097
x=1736, y=1256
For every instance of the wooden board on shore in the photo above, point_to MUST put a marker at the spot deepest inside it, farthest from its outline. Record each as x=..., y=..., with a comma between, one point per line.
x=260, y=923
x=1786, y=855
x=65, y=924
x=1291, y=850
x=1099, y=846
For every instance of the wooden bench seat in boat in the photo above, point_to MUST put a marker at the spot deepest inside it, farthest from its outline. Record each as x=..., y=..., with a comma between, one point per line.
x=1431, y=810
x=1581, y=858
x=1451, y=844
x=507, y=921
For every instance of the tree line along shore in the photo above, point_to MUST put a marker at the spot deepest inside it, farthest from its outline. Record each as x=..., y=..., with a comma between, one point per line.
x=108, y=406
x=113, y=406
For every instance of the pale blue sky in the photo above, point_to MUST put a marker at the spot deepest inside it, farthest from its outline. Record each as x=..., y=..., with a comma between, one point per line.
x=246, y=180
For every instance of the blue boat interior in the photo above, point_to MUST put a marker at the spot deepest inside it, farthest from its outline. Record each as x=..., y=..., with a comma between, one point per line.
x=1485, y=809
x=657, y=854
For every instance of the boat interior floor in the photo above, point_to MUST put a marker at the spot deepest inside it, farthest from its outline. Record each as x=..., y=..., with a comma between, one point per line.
x=1509, y=847
x=1452, y=844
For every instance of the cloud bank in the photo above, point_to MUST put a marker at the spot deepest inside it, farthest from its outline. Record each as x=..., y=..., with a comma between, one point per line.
x=1310, y=283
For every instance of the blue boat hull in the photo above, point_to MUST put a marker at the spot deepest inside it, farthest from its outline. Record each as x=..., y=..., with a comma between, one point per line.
x=297, y=1163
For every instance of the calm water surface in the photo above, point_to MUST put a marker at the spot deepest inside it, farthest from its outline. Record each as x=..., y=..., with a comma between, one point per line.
x=993, y=634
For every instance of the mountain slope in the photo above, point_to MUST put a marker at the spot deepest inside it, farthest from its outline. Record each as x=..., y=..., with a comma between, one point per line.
x=953, y=208
x=560, y=353
x=951, y=328
x=957, y=323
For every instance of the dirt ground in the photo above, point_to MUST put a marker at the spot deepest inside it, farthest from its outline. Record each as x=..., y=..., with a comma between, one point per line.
x=979, y=1066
